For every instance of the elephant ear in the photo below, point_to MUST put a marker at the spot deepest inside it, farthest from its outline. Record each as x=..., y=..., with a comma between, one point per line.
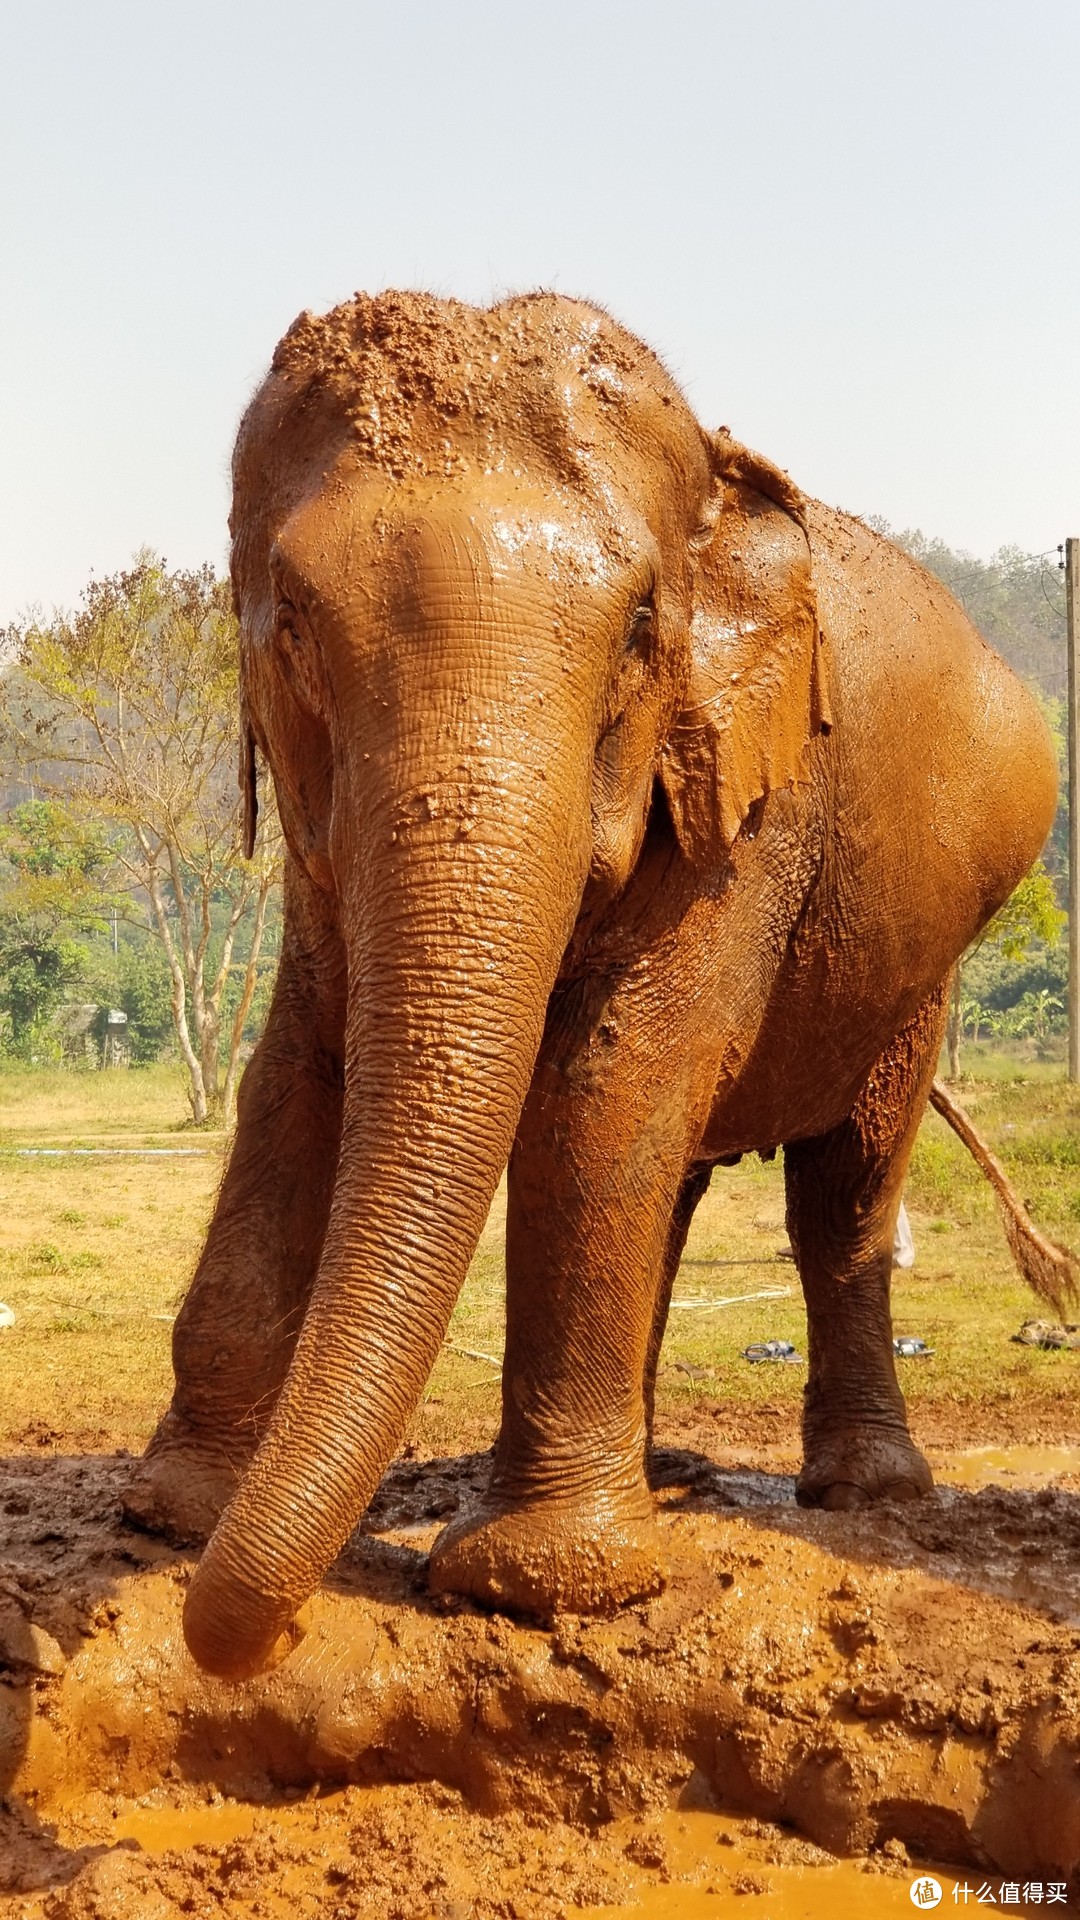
x=249, y=792
x=756, y=693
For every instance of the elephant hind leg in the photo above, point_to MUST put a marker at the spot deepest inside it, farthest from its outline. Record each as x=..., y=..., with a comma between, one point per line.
x=695, y=1185
x=843, y=1195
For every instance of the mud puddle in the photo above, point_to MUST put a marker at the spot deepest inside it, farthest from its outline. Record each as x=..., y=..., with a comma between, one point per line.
x=721, y=1867
x=899, y=1685
x=1017, y=1466
x=157, y=1826
x=674, y=1865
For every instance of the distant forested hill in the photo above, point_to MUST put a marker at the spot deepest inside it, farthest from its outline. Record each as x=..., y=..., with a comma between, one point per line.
x=1017, y=601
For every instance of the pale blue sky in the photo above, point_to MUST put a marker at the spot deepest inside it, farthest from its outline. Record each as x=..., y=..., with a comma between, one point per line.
x=852, y=229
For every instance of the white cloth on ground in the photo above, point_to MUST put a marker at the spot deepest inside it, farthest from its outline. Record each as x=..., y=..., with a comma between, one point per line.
x=903, y=1252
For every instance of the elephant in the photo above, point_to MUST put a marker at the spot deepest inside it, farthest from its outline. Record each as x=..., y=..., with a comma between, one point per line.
x=638, y=807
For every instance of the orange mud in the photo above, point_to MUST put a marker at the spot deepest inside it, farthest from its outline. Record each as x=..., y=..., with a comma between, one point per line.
x=1019, y=1466
x=900, y=1686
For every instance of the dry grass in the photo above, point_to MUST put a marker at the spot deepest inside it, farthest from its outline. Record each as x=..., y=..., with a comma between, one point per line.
x=95, y=1253
x=148, y=1106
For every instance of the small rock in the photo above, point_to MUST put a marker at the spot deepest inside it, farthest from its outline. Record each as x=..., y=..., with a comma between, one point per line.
x=648, y=1850
x=7, y=1317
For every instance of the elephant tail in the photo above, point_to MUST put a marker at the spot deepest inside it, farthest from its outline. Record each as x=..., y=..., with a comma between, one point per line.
x=1050, y=1269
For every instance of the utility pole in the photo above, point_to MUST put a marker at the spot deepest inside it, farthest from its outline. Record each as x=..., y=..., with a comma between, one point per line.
x=1073, y=640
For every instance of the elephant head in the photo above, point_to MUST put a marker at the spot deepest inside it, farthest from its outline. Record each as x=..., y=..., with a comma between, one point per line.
x=505, y=608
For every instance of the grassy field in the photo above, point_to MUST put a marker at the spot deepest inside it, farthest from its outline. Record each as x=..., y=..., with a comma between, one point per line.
x=97, y=1248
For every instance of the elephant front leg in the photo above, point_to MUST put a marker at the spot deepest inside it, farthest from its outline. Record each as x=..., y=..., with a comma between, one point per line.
x=234, y=1336
x=843, y=1193
x=595, y=1174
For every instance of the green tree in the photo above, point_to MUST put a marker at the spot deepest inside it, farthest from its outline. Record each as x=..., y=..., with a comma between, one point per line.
x=1030, y=914
x=52, y=896
x=144, y=992
x=128, y=712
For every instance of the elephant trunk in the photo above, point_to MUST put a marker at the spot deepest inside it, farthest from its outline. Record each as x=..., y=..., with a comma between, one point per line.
x=458, y=902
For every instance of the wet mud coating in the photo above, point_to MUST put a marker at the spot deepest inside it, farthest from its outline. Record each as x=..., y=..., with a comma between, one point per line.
x=898, y=1684
x=637, y=808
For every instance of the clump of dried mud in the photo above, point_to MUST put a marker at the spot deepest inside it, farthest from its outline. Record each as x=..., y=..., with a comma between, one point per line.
x=905, y=1681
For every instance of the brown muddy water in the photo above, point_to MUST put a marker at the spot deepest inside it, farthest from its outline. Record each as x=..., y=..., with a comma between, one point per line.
x=1018, y=1466
x=698, y=1865
x=817, y=1708
x=661, y=1867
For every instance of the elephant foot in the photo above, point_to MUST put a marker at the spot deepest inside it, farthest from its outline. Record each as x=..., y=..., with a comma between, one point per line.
x=854, y=1466
x=184, y=1482
x=593, y=1557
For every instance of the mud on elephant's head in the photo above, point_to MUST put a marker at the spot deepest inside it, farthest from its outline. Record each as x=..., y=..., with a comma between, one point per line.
x=502, y=601
x=516, y=505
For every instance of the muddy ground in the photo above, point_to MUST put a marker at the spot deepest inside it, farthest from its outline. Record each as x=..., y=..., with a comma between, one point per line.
x=902, y=1685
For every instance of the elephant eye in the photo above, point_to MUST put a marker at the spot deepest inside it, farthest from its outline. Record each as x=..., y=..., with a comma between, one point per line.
x=286, y=627
x=642, y=627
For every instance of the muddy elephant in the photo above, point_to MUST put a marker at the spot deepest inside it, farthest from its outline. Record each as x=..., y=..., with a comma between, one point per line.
x=637, y=807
